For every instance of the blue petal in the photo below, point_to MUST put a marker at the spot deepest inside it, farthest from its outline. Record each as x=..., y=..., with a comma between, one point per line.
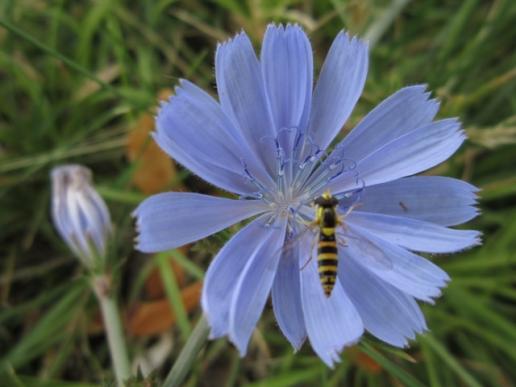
x=173, y=219
x=387, y=313
x=286, y=298
x=411, y=153
x=434, y=199
x=242, y=95
x=405, y=110
x=331, y=323
x=79, y=213
x=287, y=67
x=414, y=234
x=254, y=285
x=339, y=86
x=225, y=269
x=90, y=217
x=408, y=272
x=193, y=129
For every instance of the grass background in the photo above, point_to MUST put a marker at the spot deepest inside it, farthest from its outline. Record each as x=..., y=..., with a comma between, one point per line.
x=76, y=77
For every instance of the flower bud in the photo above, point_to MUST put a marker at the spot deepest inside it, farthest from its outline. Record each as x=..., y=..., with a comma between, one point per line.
x=79, y=214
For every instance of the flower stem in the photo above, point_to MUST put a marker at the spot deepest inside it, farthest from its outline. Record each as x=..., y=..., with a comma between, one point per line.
x=113, y=326
x=188, y=354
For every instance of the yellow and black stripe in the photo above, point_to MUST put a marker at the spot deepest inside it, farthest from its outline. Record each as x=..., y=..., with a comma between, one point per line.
x=327, y=253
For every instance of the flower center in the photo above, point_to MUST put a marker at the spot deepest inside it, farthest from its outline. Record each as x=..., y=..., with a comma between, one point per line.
x=302, y=172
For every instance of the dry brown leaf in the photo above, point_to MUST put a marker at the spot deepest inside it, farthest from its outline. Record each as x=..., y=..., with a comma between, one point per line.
x=108, y=74
x=154, y=168
x=364, y=361
x=150, y=318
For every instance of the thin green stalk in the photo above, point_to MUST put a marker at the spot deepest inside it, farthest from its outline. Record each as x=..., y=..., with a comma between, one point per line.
x=188, y=354
x=450, y=361
x=234, y=366
x=187, y=264
x=390, y=366
x=114, y=331
x=58, y=154
x=69, y=62
x=49, y=50
x=174, y=294
x=11, y=376
x=375, y=32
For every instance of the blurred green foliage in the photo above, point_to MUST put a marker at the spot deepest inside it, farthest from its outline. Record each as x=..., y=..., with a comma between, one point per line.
x=75, y=76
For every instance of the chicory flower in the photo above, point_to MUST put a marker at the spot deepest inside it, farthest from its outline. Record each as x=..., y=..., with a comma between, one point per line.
x=266, y=140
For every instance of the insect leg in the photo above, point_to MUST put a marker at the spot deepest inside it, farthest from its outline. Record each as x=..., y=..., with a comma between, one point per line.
x=312, y=245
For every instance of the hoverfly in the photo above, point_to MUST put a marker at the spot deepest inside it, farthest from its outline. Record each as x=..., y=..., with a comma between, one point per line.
x=327, y=220
x=326, y=223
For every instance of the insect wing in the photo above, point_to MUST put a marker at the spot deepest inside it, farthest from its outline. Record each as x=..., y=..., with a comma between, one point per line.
x=296, y=240
x=370, y=254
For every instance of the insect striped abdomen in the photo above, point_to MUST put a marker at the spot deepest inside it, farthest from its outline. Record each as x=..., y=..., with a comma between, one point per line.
x=327, y=257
